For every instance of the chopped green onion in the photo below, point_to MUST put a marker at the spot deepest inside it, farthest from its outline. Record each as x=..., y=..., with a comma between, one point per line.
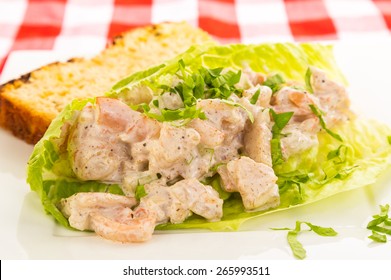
x=255, y=97
x=214, y=73
x=280, y=121
x=377, y=237
x=380, y=224
x=202, y=84
x=274, y=82
x=140, y=192
x=230, y=78
x=296, y=247
x=182, y=114
x=318, y=113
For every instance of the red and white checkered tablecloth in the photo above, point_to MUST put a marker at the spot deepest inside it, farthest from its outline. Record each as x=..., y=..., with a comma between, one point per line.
x=86, y=25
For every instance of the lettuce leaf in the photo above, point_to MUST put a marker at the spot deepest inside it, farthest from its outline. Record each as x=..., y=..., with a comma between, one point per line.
x=310, y=177
x=290, y=60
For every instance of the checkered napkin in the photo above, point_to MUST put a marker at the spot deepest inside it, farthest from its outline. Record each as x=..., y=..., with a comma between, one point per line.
x=86, y=25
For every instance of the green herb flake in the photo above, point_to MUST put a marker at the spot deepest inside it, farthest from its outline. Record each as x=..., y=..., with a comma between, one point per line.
x=230, y=78
x=389, y=139
x=380, y=224
x=214, y=73
x=202, y=84
x=280, y=121
x=155, y=103
x=255, y=97
x=274, y=82
x=182, y=114
x=322, y=231
x=296, y=246
x=384, y=210
x=140, y=192
x=319, y=114
x=378, y=237
x=308, y=84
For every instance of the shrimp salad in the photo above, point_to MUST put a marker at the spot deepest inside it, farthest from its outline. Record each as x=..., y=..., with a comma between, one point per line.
x=189, y=144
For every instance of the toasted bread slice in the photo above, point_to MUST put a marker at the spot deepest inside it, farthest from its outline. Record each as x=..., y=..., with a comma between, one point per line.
x=28, y=104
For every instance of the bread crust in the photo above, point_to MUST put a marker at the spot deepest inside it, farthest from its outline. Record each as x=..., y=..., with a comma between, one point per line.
x=29, y=122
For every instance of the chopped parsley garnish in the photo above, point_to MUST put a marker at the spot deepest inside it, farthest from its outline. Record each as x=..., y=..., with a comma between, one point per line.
x=255, y=97
x=155, y=103
x=296, y=246
x=182, y=113
x=307, y=78
x=274, y=82
x=319, y=114
x=140, y=192
x=377, y=237
x=201, y=84
x=389, y=139
x=380, y=224
x=280, y=121
x=168, y=115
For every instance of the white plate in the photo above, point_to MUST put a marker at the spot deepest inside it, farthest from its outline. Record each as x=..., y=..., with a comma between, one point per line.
x=26, y=232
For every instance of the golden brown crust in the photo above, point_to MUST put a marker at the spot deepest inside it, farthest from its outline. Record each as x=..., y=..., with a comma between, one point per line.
x=23, y=122
x=29, y=103
x=17, y=119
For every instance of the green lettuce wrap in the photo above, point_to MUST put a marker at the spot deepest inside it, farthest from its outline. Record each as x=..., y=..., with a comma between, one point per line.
x=331, y=168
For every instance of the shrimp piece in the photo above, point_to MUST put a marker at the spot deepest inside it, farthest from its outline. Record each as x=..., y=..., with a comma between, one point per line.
x=98, y=143
x=126, y=226
x=93, y=152
x=110, y=216
x=115, y=115
x=293, y=100
x=177, y=142
x=210, y=136
x=257, y=139
x=78, y=207
x=179, y=201
x=323, y=86
x=140, y=130
x=160, y=200
x=300, y=137
x=199, y=198
x=173, y=152
x=256, y=183
x=332, y=96
x=226, y=118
